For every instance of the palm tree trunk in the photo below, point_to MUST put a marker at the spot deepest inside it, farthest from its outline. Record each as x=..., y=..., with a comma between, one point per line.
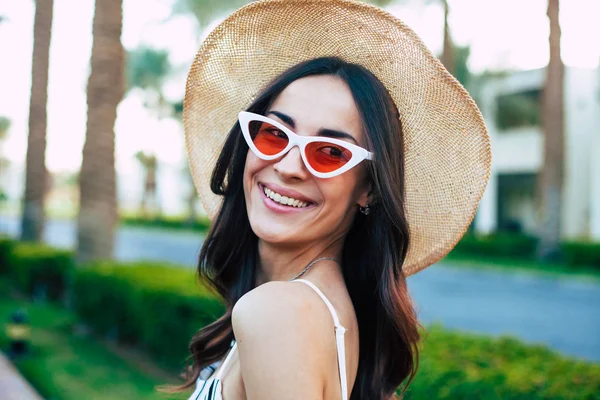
x=36, y=175
x=98, y=197
x=448, y=50
x=553, y=128
x=191, y=204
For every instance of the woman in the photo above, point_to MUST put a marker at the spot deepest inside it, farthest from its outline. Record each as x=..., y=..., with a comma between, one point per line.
x=329, y=190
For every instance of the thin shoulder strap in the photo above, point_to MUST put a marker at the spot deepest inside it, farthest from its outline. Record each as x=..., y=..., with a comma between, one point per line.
x=233, y=347
x=339, y=337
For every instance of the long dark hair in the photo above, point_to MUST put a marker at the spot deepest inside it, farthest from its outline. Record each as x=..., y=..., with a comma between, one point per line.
x=374, y=249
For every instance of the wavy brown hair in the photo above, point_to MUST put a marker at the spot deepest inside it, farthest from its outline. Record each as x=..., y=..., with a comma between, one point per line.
x=374, y=249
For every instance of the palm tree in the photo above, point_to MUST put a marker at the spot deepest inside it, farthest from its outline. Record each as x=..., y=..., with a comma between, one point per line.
x=552, y=106
x=98, y=198
x=4, y=127
x=191, y=198
x=36, y=175
x=448, y=49
x=149, y=164
x=147, y=69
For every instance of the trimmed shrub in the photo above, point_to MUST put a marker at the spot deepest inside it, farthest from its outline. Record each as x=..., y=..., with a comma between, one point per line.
x=41, y=271
x=6, y=245
x=458, y=366
x=582, y=253
x=201, y=224
x=156, y=307
x=523, y=247
x=508, y=245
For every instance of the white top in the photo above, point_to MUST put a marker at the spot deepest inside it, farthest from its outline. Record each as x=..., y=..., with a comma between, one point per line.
x=211, y=388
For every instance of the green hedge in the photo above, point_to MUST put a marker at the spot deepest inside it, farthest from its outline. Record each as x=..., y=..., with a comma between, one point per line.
x=459, y=366
x=201, y=224
x=6, y=245
x=523, y=247
x=497, y=245
x=40, y=271
x=155, y=307
x=581, y=253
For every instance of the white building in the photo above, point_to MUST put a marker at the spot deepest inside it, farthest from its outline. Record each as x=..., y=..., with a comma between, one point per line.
x=517, y=154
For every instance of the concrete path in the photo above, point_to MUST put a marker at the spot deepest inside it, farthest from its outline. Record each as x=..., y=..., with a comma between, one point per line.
x=562, y=313
x=12, y=385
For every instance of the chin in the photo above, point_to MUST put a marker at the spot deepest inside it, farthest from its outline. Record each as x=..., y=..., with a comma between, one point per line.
x=273, y=230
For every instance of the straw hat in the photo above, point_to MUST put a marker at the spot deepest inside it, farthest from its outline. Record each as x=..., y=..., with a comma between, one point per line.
x=447, y=147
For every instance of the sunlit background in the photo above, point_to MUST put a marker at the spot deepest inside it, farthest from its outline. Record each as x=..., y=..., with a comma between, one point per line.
x=528, y=268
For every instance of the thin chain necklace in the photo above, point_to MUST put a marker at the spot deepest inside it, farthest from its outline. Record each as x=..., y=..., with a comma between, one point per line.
x=310, y=265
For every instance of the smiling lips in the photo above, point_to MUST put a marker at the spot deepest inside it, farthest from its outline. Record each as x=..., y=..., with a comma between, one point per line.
x=284, y=200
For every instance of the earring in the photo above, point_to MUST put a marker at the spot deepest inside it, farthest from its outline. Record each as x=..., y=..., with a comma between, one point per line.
x=365, y=209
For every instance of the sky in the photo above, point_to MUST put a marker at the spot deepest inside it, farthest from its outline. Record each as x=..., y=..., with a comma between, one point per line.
x=503, y=34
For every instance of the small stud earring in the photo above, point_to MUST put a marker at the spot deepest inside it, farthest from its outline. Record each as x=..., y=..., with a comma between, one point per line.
x=365, y=209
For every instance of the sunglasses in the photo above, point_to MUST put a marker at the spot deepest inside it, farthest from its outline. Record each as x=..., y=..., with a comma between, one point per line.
x=323, y=157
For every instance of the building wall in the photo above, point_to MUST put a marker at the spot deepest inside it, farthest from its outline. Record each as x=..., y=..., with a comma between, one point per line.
x=521, y=150
x=595, y=184
x=582, y=122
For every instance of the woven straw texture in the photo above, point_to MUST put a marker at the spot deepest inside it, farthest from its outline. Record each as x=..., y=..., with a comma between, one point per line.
x=447, y=148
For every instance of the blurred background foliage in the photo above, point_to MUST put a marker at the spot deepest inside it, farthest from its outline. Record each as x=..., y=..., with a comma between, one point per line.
x=518, y=110
x=4, y=162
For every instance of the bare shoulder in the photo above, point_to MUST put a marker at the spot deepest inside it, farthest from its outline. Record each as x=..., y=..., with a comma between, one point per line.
x=283, y=334
x=282, y=305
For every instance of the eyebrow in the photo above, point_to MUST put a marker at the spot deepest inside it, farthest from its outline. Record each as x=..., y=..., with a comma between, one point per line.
x=332, y=133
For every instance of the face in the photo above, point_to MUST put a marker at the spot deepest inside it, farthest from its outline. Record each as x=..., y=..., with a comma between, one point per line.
x=308, y=106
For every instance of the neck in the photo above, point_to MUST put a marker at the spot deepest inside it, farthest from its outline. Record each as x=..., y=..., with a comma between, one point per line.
x=278, y=263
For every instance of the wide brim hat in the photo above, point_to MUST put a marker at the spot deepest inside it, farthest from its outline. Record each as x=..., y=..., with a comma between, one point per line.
x=446, y=144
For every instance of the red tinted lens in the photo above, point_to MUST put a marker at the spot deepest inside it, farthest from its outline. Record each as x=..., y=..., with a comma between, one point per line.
x=327, y=157
x=267, y=138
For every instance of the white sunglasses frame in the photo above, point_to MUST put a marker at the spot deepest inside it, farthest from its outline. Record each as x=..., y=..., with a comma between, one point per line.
x=358, y=153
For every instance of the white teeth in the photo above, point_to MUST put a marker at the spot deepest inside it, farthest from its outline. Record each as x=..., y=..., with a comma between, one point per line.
x=288, y=201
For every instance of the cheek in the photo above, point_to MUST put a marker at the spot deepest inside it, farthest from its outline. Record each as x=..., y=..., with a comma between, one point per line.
x=252, y=166
x=340, y=193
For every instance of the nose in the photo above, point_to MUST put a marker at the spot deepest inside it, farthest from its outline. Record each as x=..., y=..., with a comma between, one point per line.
x=291, y=166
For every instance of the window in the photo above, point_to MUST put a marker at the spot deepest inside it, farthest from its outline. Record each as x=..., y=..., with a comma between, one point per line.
x=518, y=110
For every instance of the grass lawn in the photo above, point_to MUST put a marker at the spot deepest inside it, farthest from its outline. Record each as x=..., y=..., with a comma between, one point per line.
x=526, y=266
x=65, y=366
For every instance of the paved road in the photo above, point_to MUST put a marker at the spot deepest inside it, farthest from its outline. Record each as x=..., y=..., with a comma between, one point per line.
x=132, y=243
x=561, y=313
x=12, y=385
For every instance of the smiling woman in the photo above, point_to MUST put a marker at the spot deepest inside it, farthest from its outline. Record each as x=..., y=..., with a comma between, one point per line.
x=340, y=170
x=277, y=208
